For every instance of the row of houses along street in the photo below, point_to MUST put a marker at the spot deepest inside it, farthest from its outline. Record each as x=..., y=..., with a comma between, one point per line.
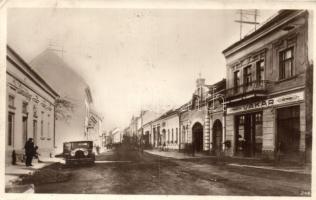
x=262, y=108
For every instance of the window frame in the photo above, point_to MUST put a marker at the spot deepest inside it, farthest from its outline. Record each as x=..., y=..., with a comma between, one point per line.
x=247, y=75
x=11, y=97
x=260, y=69
x=283, y=61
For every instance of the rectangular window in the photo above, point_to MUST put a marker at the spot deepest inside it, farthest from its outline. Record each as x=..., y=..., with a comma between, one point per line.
x=258, y=117
x=42, y=128
x=24, y=107
x=10, y=128
x=48, y=133
x=35, y=131
x=48, y=126
x=260, y=70
x=11, y=101
x=286, y=63
x=176, y=135
x=171, y=135
x=247, y=76
x=236, y=80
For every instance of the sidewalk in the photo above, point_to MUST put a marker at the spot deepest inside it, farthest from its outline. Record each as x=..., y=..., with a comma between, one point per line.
x=176, y=155
x=237, y=162
x=13, y=172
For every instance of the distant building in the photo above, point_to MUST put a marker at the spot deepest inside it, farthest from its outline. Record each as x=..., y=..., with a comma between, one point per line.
x=194, y=119
x=269, y=95
x=117, y=136
x=75, y=97
x=30, y=108
x=169, y=135
x=94, y=132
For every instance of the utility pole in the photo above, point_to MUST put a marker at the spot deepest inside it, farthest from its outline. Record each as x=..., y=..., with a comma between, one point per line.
x=244, y=19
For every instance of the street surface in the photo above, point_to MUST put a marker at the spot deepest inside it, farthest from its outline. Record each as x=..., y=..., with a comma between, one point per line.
x=149, y=174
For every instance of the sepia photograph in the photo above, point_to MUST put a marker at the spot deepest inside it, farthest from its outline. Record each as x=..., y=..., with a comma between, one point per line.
x=158, y=100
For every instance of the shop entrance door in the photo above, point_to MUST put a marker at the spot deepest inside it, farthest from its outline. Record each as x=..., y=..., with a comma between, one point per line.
x=288, y=127
x=249, y=134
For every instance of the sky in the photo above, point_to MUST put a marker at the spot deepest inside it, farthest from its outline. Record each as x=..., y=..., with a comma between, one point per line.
x=132, y=59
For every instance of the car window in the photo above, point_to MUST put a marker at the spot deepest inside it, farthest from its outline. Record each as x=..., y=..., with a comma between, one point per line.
x=67, y=146
x=81, y=145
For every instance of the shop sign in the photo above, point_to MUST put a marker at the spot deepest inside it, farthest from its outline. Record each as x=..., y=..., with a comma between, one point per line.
x=299, y=96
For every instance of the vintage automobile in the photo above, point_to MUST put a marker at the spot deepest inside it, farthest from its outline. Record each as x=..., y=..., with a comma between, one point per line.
x=78, y=152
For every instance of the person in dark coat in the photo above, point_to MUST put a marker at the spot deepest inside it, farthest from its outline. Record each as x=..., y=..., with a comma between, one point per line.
x=29, y=152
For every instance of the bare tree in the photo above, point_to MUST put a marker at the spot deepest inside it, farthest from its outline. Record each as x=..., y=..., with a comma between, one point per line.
x=64, y=109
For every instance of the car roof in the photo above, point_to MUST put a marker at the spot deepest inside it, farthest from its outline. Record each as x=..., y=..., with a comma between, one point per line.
x=78, y=141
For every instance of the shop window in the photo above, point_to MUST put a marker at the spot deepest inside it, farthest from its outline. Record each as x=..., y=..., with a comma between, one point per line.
x=11, y=101
x=10, y=128
x=258, y=118
x=247, y=76
x=286, y=63
x=260, y=70
x=241, y=120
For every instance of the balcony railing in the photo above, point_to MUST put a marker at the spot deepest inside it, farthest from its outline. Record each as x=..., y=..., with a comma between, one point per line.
x=255, y=87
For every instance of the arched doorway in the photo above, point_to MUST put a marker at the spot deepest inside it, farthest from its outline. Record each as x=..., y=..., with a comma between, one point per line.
x=197, y=139
x=217, y=137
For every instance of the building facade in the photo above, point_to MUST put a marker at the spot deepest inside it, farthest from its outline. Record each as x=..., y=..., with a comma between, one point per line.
x=30, y=108
x=117, y=136
x=169, y=134
x=73, y=106
x=94, y=131
x=268, y=99
x=194, y=119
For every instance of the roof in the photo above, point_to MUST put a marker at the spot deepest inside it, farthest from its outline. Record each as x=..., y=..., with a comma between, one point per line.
x=31, y=71
x=169, y=113
x=268, y=24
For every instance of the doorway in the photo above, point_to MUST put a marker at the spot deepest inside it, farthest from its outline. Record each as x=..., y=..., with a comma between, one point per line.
x=197, y=132
x=249, y=134
x=217, y=137
x=288, y=132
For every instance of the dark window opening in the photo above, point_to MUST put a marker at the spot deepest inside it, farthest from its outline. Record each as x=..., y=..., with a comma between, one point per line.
x=286, y=63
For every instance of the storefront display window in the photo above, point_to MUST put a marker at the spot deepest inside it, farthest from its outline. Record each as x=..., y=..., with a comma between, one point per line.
x=249, y=134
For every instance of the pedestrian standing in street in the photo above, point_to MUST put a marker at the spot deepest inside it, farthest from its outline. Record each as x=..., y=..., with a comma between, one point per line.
x=29, y=152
